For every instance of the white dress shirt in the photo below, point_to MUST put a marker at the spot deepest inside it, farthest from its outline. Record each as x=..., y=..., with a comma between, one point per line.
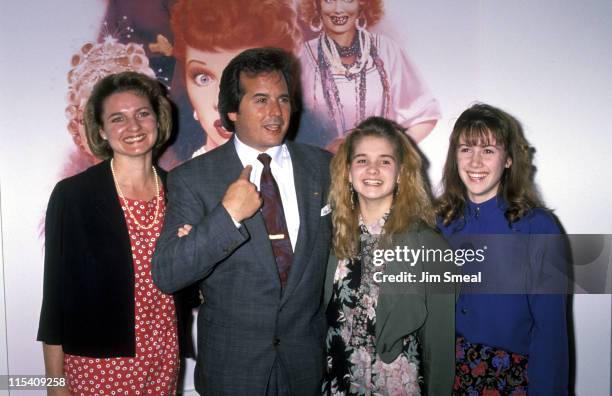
x=282, y=170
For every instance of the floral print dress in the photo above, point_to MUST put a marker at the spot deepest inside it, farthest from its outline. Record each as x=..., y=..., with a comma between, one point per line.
x=353, y=366
x=155, y=367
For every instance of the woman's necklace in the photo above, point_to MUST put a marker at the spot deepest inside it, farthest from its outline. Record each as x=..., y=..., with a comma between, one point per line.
x=157, y=200
x=334, y=59
x=352, y=49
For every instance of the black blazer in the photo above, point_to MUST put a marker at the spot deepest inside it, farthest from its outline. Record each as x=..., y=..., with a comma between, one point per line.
x=88, y=292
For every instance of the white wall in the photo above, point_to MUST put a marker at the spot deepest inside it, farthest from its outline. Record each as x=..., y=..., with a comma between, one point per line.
x=3, y=352
x=561, y=53
x=37, y=39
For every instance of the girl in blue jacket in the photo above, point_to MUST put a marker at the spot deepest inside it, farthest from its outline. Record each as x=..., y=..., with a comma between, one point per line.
x=511, y=339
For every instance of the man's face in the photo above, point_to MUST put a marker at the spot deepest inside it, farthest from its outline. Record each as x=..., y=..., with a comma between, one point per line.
x=263, y=116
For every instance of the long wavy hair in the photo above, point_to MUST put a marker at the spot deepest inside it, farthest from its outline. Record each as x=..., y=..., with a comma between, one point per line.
x=483, y=124
x=411, y=204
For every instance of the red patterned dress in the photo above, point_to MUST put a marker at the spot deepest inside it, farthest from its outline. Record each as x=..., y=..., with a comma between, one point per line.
x=154, y=369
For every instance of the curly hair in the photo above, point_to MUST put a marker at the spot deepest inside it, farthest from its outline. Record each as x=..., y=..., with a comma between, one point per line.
x=412, y=203
x=233, y=24
x=128, y=81
x=310, y=11
x=481, y=124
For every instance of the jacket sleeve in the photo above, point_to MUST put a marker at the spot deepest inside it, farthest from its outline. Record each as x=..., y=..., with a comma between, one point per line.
x=437, y=335
x=548, y=369
x=548, y=352
x=179, y=262
x=50, y=325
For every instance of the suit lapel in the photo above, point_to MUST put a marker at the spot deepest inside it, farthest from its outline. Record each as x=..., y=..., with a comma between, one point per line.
x=255, y=225
x=229, y=167
x=106, y=203
x=309, y=197
x=260, y=243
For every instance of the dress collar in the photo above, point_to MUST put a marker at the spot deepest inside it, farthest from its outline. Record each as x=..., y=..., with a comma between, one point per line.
x=375, y=228
x=497, y=203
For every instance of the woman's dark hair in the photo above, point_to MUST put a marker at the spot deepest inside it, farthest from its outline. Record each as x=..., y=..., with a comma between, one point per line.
x=138, y=84
x=482, y=124
x=253, y=62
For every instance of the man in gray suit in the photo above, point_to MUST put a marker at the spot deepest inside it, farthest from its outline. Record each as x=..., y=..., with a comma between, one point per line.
x=261, y=327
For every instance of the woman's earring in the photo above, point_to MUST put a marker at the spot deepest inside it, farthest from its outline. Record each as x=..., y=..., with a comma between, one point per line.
x=361, y=23
x=316, y=28
x=195, y=116
x=352, y=192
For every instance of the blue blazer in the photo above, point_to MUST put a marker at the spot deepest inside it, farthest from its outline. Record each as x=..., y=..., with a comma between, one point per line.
x=528, y=324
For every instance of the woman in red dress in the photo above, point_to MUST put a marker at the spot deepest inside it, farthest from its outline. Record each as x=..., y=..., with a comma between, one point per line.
x=104, y=325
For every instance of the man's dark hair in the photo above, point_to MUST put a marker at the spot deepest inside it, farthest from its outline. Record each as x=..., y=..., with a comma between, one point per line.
x=252, y=62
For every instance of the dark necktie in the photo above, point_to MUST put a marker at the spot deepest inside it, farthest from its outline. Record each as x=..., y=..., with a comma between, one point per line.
x=274, y=217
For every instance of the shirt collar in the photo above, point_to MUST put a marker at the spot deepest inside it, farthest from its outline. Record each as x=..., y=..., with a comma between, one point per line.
x=493, y=204
x=248, y=155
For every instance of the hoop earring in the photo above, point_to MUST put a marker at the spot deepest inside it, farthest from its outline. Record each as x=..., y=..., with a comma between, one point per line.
x=352, y=192
x=316, y=28
x=358, y=24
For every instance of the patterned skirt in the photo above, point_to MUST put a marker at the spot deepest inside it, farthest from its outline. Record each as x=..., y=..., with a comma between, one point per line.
x=488, y=371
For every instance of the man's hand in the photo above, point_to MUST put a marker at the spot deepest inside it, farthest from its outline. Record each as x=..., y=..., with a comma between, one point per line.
x=241, y=200
x=184, y=230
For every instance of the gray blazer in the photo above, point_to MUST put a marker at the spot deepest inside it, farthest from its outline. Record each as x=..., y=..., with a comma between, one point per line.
x=424, y=308
x=247, y=323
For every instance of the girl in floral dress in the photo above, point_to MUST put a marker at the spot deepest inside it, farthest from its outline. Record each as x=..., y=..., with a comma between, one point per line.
x=383, y=338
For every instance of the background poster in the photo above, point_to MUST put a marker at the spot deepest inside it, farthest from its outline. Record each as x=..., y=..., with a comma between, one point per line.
x=546, y=62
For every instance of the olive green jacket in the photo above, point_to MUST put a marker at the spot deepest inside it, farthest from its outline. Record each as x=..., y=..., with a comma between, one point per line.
x=407, y=307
